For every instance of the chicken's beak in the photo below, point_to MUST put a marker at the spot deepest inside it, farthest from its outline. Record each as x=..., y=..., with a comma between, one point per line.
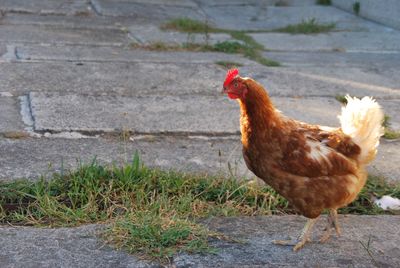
x=223, y=91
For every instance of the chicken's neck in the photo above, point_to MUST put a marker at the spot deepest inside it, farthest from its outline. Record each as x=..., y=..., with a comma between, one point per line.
x=258, y=115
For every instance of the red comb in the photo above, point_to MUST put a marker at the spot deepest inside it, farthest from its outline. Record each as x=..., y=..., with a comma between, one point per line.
x=230, y=75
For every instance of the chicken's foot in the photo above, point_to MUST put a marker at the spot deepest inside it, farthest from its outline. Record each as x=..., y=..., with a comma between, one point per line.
x=303, y=238
x=331, y=223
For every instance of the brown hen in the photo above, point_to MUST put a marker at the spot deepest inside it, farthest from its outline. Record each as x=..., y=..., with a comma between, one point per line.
x=313, y=167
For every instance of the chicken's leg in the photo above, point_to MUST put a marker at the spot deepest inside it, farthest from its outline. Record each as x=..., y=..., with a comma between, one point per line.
x=332, y=223
x=303, y=238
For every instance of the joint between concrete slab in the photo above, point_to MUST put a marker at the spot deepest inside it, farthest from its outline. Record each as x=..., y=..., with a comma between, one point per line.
x=26, y=112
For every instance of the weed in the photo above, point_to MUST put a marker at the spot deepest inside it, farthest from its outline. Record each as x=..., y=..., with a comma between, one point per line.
x=150, y=212
x=341, y=98
x=367, y=247
x=248, y=47
x=356, y=8
x=310, y=26
x=188, y=26
x=389, y=133
x=323, y=2
x=364, y=204
x=228, y=64
x=282, y=3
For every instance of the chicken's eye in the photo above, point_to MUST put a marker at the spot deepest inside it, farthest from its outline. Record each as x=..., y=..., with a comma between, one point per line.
x=235, y=85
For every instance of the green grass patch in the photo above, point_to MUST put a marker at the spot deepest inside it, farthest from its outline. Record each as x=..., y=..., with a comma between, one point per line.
x=375, y=187
x=187, y=25
x=341, y=98
x=228, y=64
x=149, y=212
x=310, y=26
x=323, y=2
x=247, y=47
x=389, y=133
x=356, y=8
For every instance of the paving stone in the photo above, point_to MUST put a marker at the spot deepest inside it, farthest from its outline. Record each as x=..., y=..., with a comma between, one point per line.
x=79, y=247
x=153, y=114
x=255, y=2
x=46, y=6
x=10, y=118
x=150, y=11
x=62, y=247
x=34, y=52
x=3, y=50
x=59, y=35
x=169, y=114
x=189, y=78
x=172, y=114
x=121, y=78
x=343, y=41
x=327, y=81
x=147, y=34
x=258, y=251
x=183, y=3
x=263, y=17
x=88, y=21
x=33, y=157
x=386, y=162
x=370, y=60
x=392, y=108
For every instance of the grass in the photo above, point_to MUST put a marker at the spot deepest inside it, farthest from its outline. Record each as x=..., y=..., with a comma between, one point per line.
x=149, y=212
x=389, y=134
x=247, y=45
x=310, y=26
x=341, y=98
x=356, y=8
x=228, y=64
x=188, y=26
x=323, y=2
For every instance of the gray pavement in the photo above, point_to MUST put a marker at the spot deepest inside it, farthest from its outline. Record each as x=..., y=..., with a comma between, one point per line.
x=71, y=81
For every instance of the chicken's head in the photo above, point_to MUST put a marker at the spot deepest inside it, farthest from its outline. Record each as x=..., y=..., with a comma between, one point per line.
x=234, y=85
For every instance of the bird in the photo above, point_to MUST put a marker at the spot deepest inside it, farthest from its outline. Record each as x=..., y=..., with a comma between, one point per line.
x=316, y=168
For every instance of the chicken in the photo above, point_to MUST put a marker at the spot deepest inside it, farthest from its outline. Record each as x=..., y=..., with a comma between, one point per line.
x=313, y=167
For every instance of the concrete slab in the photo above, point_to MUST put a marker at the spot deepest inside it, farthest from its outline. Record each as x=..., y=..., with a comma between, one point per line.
x=372, y=80
x=183, y=3
x=58, y=35
x=263, y=17
x=387, y=13
x=255, y=2
x=63, y=247
x=150, y=11
x=79, y=247
x=169, y=114
x=392, y=108
x=33, y=52
x=386, y=162
x=258, y=232
x=366, y=60
x=120, y=78
x=152, y=114
x=189, y=77
x=326, y=81
x=147, y=34
x=342, y=41
x=89, y=21
x=33, y=157
x=63, y=7
x=10, y=118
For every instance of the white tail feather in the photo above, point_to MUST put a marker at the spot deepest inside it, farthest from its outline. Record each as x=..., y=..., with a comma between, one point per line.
x=362, y=121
